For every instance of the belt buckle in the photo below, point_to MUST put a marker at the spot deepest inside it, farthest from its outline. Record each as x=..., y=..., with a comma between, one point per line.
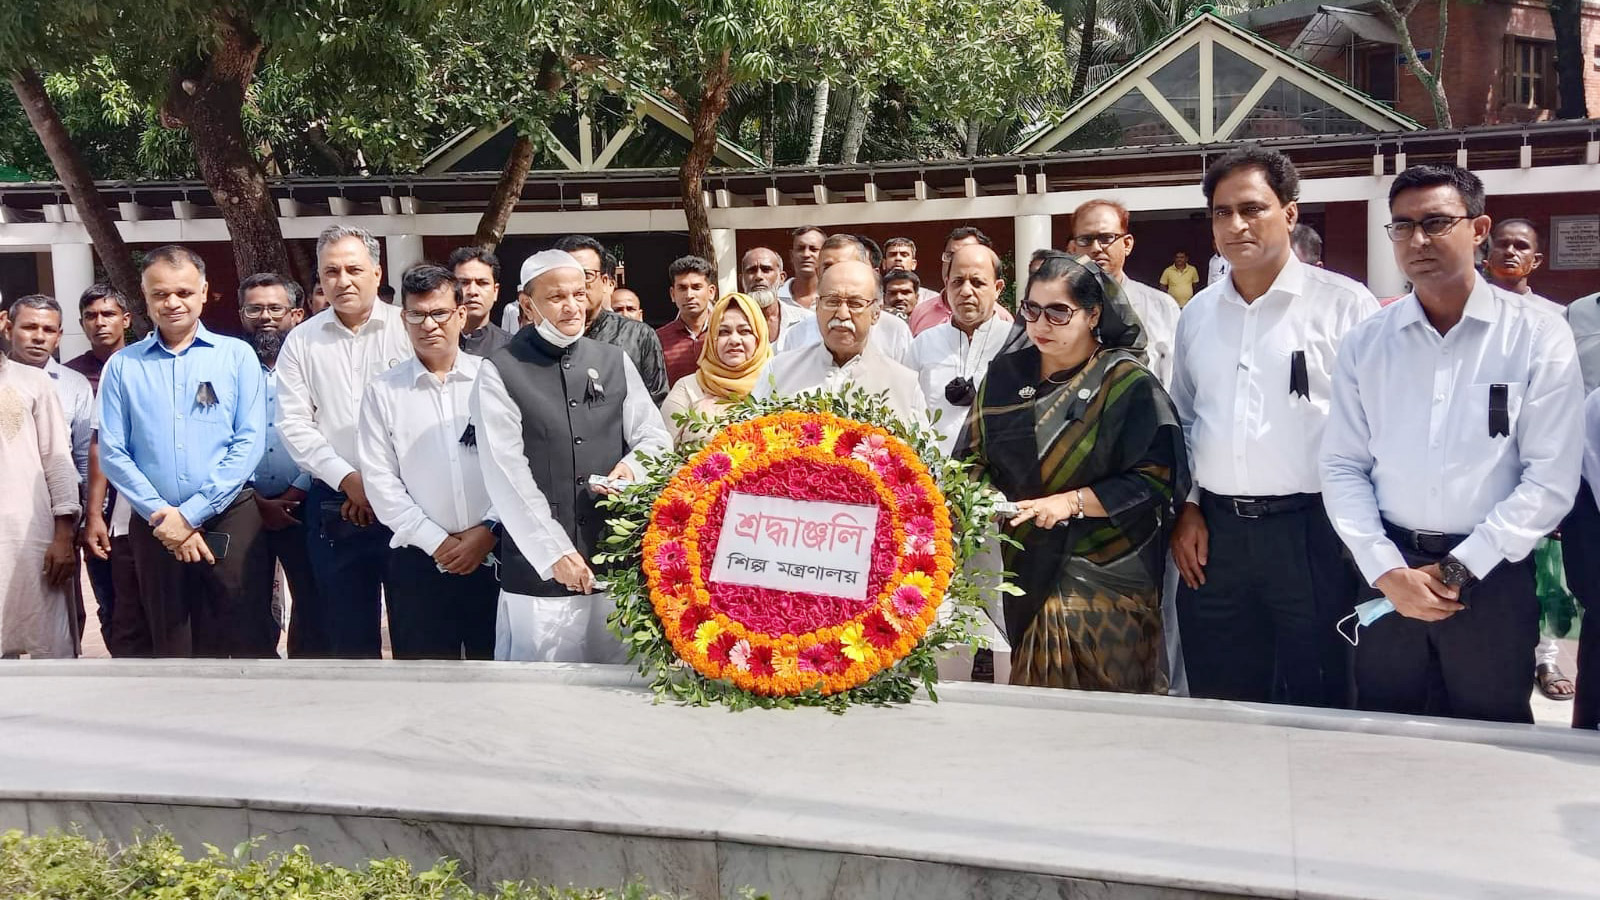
x=1239, y=505
x=1418, y=537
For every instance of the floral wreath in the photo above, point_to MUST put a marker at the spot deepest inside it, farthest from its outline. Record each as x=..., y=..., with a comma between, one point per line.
x=703, y=640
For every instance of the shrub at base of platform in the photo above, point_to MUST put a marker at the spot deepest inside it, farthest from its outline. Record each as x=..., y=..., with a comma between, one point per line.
x=792, y=619
x=70, y=865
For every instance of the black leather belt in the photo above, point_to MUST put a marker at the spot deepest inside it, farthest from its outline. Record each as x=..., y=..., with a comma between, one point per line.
x=1431, y=543
x=1260, y=507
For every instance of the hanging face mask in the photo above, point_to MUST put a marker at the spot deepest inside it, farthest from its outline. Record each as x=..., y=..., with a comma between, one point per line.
x=1364, y=615
x=555, y=335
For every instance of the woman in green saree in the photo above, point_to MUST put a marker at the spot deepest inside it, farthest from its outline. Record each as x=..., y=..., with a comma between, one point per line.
x=1075, y=430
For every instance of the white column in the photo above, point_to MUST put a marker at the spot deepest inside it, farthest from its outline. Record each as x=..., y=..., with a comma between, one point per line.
x=72, y=271
x=725, y=244
x=403, y=252
x=1032, y=233
x=1384, y=277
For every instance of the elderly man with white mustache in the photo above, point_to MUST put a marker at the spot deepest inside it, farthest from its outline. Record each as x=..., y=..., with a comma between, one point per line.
x=847, y=308
x=549, y=411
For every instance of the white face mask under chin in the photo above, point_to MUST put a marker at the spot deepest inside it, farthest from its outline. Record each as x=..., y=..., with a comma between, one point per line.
x=555, y=335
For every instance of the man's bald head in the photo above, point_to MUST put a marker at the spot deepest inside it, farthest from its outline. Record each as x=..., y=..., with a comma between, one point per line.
x=760, y=267
x=977, y=254
x=973, y=286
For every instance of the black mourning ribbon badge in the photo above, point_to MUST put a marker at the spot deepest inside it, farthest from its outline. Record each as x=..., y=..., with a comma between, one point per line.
x=1299, y=381
x=1499, y=411
x=205, y=396
x=960, y=392
x=595, y=392
x=469, y=438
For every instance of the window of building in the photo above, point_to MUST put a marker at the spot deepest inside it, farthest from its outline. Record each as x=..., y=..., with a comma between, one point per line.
x=1381, y=76
x=1530, y=76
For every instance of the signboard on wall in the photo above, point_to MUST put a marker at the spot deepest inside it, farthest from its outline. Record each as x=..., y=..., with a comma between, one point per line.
x=1574, y=242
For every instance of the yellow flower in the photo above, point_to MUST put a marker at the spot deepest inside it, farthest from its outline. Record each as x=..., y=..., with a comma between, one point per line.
x=855, y=642
x=830, y=436
x=706, y=633
x=740, y=452
x=920, y=581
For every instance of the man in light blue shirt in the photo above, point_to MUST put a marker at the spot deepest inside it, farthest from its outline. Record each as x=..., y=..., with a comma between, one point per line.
x=271, y=305
x=182, y=422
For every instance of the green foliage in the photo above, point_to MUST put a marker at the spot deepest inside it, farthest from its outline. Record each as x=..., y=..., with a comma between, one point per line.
x=56, y=865
x=971, y=504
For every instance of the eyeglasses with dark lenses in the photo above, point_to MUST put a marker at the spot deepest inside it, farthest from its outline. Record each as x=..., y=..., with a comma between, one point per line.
x=1055, y=315
x=1104, y=239
x=1432, y=226
x=960, y=392
x=439, y=316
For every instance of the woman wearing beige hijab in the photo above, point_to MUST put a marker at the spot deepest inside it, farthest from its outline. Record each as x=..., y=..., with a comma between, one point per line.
x=732, y=356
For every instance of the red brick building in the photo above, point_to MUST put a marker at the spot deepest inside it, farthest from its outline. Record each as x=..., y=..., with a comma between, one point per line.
x=1499, y=55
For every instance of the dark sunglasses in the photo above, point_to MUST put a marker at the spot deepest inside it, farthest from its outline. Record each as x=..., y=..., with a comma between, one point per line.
x=1055, y=315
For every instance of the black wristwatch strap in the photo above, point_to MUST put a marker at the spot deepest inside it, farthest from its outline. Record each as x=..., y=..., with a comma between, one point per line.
x=1455, y=572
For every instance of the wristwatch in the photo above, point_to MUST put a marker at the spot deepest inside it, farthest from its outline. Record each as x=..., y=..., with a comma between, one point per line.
x=1455, y=573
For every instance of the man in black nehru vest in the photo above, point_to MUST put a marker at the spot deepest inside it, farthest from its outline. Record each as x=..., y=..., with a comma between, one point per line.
x=552, y=409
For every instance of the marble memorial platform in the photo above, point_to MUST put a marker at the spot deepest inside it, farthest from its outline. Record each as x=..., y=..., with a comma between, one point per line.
x=569, y=774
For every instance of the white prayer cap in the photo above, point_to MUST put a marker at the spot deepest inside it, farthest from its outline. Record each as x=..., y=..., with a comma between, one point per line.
x=545, y=261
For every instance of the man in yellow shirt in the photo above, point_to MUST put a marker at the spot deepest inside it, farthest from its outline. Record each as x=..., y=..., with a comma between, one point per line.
x=1180, y=277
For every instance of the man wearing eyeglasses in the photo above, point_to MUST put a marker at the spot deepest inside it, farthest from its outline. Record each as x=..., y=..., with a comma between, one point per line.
x=938, y=311
x=636, y=339
x=847, y=310
x=1100, y=231
x=1264, y=578
x=1455, y=444
x=270, y=306
x=419, y=456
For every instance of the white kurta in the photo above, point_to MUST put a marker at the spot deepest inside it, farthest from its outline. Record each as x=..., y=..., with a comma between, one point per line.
x=813, y=369
x=37, y=483
x=944, y=353
x=549, y=629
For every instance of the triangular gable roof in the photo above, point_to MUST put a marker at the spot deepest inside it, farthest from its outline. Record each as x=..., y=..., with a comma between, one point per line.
x=651, y=106
x=1206, y=32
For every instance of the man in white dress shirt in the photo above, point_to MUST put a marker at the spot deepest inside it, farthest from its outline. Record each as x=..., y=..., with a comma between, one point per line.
x=892, y=334
x=1264, y=576
x=1580, y=538
x=419, y=458
x=952, y=359
x=1454, y=445
x=323, y=369
x=1100, y=230
x=848, y=312
x=552, y=410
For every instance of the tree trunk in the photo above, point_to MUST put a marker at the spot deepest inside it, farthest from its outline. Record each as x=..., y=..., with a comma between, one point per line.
x=210, y=104
x=1080, y=73
x=1566, y=17
x=691, y=175
x=855, y=127
x=769, y=131
x=974, y=132
x=1433, y=84
x=819, y=122
x=508, y=190
x=73, y=171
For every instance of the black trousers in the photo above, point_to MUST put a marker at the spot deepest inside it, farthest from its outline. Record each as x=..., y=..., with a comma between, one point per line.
x=1261, y=628
x=103, y=584
x=130, y=633
x=437, y=615
x=201, y=609
x=1473, y=665
x=350, y=565
x=287, y=547
x=1580, y=550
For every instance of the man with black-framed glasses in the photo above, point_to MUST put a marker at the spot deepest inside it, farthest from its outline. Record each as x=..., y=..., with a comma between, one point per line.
x=419, y=455
x=1100, y=231
x=270, y=306
x=847, y=309
x=1454, y=445
x=1264, y=577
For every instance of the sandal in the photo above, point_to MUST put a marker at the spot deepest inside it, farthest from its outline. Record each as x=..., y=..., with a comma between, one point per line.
x=1549, y=675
